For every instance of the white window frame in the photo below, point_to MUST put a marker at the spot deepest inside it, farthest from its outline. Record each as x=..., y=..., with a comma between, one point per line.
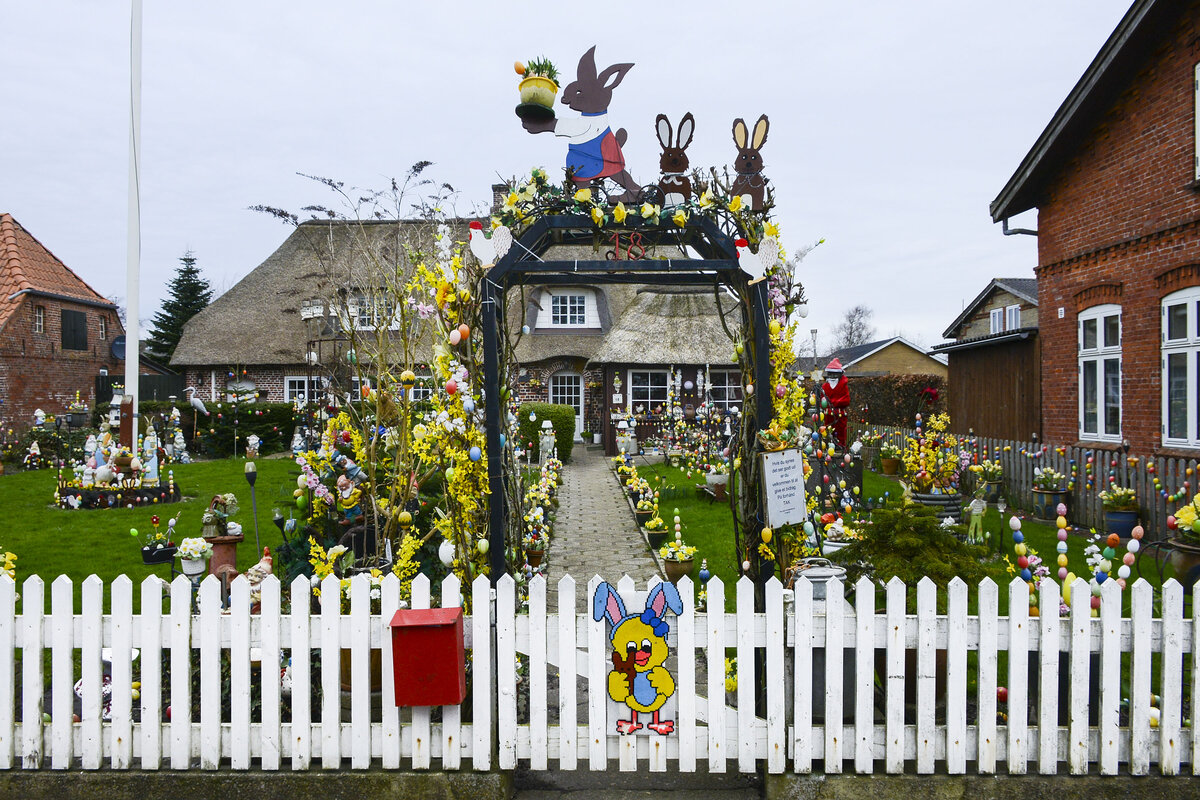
x=648, y=404
x=315, y=385
x=1196, y=123
x=39, y=319
x=103, y=328
x=1100, y=354
x=1012, y=317
x=423, y=388
x=1187, y=345
x=568, y=310
x=730, y=383
x=996, y=317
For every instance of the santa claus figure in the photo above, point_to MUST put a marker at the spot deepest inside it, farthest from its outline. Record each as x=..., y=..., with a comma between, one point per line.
x=837, y=393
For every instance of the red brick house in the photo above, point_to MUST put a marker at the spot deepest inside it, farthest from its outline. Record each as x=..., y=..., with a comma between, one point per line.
x=56, y=332
x=1115, y=178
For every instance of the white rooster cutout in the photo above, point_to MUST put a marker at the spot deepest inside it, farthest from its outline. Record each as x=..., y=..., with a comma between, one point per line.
x=489, y=251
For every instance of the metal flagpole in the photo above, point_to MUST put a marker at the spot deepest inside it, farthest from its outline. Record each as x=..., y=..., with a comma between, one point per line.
x=134, y=241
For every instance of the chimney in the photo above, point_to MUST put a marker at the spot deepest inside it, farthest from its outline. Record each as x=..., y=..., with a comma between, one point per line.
x=499, y=192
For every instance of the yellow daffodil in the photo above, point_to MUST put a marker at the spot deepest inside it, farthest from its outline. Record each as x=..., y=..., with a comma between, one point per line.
x=496, y=223
x=538, y=174
x=771, y=229
x=510, y=202
x=706, y=199
x=583, y=195
x=619, y=213
x=679, y=217
x=735, y=203
x=650, y=210
x=597, y=216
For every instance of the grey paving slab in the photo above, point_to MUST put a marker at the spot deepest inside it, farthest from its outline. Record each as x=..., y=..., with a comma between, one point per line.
x=595, y=532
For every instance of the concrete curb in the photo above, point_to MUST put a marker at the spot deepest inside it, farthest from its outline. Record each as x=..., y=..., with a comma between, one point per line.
x=977, y=787
x=284, y=785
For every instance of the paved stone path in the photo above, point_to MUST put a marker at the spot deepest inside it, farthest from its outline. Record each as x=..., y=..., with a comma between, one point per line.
x=595, y=533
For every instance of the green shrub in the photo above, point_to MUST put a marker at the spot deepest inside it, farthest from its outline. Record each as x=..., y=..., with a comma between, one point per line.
x=560, y=416
x=271, y=422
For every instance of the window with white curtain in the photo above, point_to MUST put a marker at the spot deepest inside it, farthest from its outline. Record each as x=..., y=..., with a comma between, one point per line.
x=1100, y=373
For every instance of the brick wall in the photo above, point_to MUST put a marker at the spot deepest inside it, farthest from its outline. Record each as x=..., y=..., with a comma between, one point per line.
x=1118, y=225
x=265, y=377
x=36, y=372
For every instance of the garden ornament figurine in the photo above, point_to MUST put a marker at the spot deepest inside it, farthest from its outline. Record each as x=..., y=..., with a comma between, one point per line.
x=836, y=391
x=675, y=184
x=750, y=184
x=638, y=678
x=976, y=509
x=593, y=150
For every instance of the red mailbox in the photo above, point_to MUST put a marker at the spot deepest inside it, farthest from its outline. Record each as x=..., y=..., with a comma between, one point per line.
x=428, y=663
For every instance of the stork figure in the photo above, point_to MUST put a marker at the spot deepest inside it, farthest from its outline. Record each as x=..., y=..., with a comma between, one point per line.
x=197, y=408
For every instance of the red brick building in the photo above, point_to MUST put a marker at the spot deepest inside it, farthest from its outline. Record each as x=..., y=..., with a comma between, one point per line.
x=1115, y=178
x=56, y=332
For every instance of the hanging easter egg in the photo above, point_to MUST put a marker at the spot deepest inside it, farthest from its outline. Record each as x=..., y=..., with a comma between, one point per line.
x=301, y=481
x=450, y=473
x=464, y=332
x=455, y=337
x=419, y=431
x=468, y=405
x=749, y=389
x=482, y=546
x=451, y=386
x=1138, y=532
x=351, y=357
x=446, y=552
x=745, y=566
x=475, y=454
x=133, y=531
x=503, y=440
x=302, y=502
x=766, y=535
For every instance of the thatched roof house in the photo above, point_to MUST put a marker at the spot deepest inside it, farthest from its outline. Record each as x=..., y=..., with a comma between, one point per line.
x=604, y=349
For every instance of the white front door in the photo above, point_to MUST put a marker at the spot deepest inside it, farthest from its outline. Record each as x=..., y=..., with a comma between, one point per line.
x=567, y=389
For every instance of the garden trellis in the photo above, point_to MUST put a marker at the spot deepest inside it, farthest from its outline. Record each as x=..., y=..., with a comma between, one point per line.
x=1065, y=679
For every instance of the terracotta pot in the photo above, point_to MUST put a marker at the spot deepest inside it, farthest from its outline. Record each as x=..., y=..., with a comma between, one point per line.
x=677, y=569
x=376, y=661
x=891, y=466
x=534, y=557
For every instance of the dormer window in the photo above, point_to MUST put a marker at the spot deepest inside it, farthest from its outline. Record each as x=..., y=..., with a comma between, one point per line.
x=568, y=309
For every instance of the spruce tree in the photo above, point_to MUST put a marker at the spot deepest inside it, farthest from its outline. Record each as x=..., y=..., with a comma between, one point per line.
x=188, y=293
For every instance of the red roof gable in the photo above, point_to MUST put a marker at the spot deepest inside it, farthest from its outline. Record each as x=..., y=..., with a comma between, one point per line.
x=27, y=266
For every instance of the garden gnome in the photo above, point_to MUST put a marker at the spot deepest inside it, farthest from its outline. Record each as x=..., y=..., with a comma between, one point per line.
x=180, y=447
x=89, y=447
x=349, y=496
x=976, y=510
x=837, y=393
x=39, y=418
x=252, y=443
x=150, y=465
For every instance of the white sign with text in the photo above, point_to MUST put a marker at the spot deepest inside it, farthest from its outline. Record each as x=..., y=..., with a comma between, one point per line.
x=783, y=487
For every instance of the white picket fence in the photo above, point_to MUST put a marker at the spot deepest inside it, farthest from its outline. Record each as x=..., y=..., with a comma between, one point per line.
x=921, y=714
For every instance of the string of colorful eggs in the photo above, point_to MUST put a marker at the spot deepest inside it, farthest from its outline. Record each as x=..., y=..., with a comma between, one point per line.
x=1029, y=565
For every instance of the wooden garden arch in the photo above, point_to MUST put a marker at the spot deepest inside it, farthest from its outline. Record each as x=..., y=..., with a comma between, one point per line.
x=716, y=266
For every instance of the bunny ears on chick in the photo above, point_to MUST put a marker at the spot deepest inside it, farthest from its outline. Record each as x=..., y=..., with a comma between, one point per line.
x=607, y=604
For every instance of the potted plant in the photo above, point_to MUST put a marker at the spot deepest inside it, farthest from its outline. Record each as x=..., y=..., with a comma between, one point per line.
x=677, y=558
x=718, y=473
x=644, y=509
x=1184, y=539
x=1120, y=510
x=990, y=475
x=871, y=442
x=193, y=555
x=157, y=547
x=656, y=531
x=1048, y=492
x=889, y=458
x=538, y=88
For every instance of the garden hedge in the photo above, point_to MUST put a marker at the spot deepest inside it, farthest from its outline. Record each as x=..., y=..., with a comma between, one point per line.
x=896, y=399
x=272, y=422
x=560, y=416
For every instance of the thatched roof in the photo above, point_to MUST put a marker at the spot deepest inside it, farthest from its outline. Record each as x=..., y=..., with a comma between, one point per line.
x=259, y=320
x=663, y=326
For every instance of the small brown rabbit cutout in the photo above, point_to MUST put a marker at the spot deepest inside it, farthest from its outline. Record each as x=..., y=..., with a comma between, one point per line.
x=750, y=184
x=676, y=186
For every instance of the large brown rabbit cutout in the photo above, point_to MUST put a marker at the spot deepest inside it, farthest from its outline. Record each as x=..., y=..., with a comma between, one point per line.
x=750, y=184
x=593, y=150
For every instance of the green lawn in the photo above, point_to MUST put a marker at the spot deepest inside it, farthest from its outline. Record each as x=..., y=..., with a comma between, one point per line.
x=50, y=541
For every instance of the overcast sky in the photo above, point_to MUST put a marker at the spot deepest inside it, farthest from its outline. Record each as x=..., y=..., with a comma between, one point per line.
x=893, y=125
